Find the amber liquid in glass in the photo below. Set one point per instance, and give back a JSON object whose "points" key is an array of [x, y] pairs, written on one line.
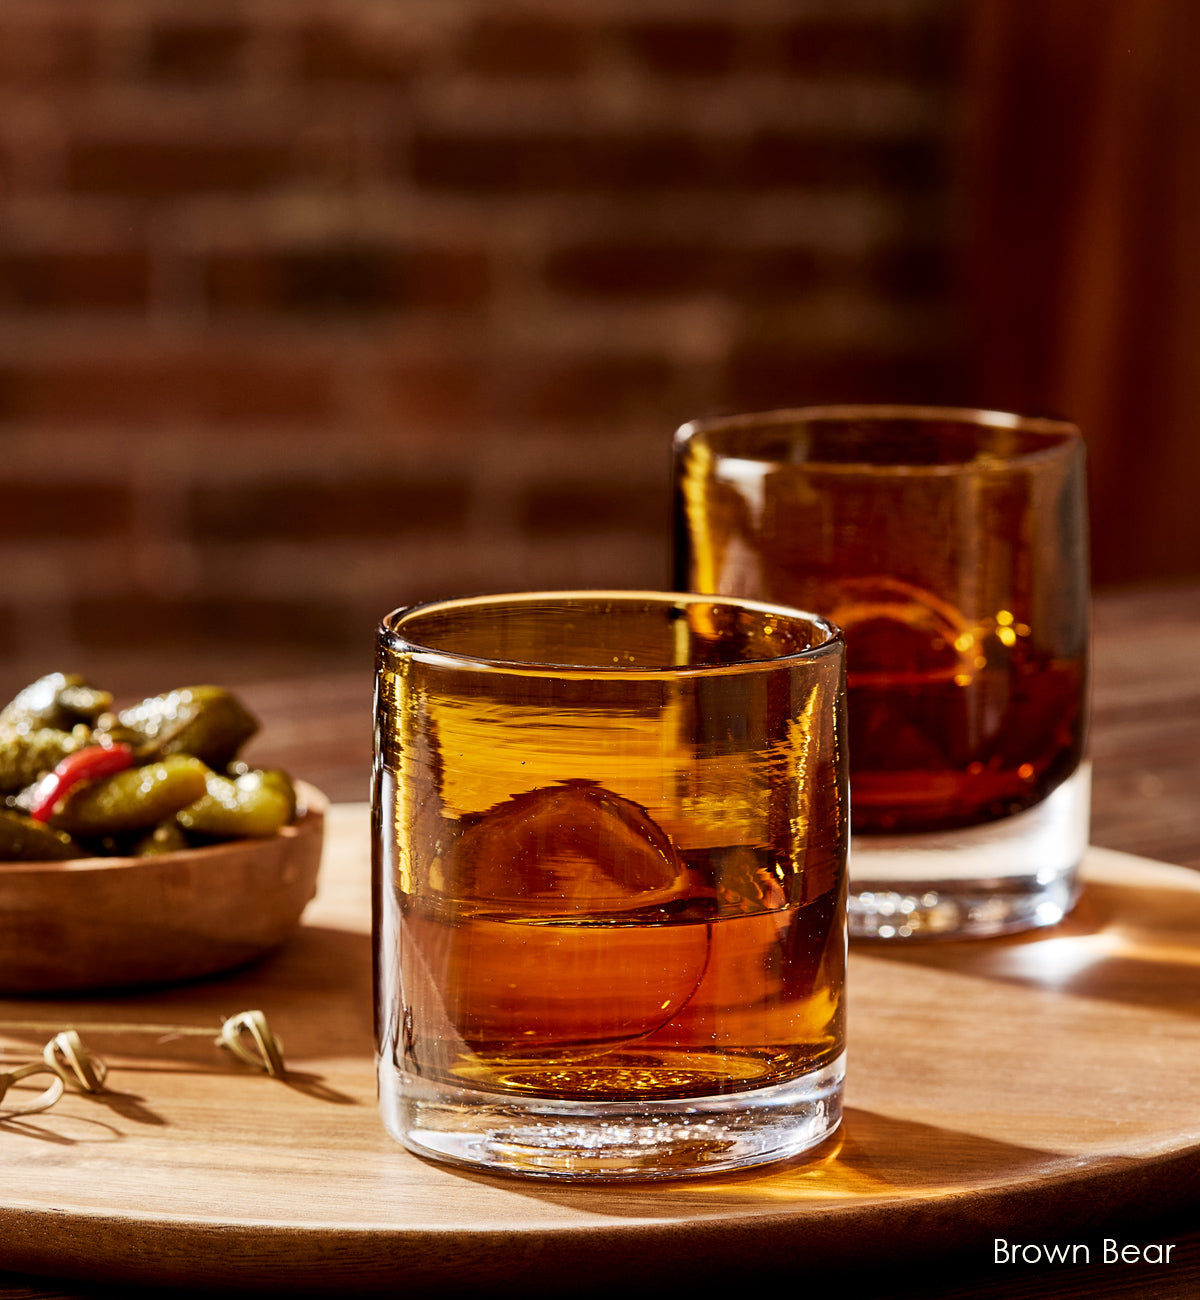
{"points": [[954, 739], [961, 598], [657, 911], [710, 990]]}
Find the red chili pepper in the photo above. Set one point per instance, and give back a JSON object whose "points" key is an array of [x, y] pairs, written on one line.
{"points": [[83, 765]]}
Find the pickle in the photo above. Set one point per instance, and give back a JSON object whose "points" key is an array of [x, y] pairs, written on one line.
{"points": [[134, 799], [182, 745], [166, 837], [206, 721], [110, 728], [24, 840], [252, 805], [26, 753], [59, 700], [277, 780]]}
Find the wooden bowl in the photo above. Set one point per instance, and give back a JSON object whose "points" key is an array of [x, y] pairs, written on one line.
{"points": [[108, 923]]}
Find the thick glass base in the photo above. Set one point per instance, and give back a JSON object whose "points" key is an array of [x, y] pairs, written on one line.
{"points": [[999, 878], [582, 1140]]}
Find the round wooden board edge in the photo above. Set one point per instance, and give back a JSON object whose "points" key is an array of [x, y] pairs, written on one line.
{"points": [[806, 1240]]}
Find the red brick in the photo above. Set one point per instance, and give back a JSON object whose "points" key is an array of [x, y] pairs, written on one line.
{"points": [[193, 51], [668, 269], [120, 619], [52, 53], [636, 270], [74, 280], [595, 389], [565, 161], [908, 271], [684, 49], [43, 509], [348, 278], [304, 510], [124, 389], [443, 394], [761, 377], [573, 508], [274, 388], [339, 51], [915, 50], [573, 161], [773, 274], [785, 159], [524, 47], [490, 162], [146, 168], [653, 161]]}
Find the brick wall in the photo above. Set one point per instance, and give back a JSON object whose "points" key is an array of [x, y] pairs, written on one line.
{"points": [[310, 308]]}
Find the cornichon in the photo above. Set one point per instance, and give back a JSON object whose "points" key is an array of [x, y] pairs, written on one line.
{"points": [[59, 700], [131, 800], [206, 721], [166, 837], [24, 840], [251, 805], [61, 797], [26, 753]]}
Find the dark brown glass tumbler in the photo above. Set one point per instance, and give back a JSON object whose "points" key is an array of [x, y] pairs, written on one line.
{"points": [[951, 547]]}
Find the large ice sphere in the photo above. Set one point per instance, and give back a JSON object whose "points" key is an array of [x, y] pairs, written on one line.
{"points": [[561, 924], [574, 849], [899, 634]]}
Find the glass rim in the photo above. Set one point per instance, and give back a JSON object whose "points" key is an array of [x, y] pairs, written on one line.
{"points": [[1062, 436], [831, 644]]}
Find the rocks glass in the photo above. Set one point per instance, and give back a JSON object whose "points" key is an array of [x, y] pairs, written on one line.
{"points": [[951, 547], [610, 835]]}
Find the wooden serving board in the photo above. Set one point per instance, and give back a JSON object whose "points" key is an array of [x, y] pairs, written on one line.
{"points": [[1029, 1088]]}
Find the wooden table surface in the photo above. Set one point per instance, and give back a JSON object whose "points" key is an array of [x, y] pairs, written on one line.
{"points": [[1146, 753]]}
